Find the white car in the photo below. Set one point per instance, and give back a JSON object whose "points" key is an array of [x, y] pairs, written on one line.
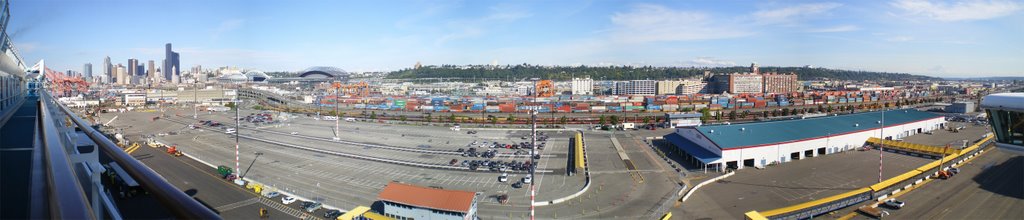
{"points": [[288, 200], [896, 204], [503, 177], [272, 194], [527, 179], [294, 133]]}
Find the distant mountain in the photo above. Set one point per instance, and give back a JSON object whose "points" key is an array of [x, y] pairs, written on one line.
{"points": [[993, 78], [527, 71]]}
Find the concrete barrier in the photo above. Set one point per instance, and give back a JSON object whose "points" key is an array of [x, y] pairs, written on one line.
{"points": [[586, 184], [695, 187]]}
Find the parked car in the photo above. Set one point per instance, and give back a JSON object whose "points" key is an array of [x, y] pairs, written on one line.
{"points": [[332, 214], [288, 200], [895, 204], [503, 177], [453, 162], [272, 194], [517, 185], [311, 206], [527, 179]]}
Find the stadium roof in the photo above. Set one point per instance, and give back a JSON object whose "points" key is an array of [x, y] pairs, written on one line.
{"points": [[777, 132], [439, 199]]}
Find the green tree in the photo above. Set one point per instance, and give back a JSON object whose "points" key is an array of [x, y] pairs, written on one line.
{"points": [[615, 120], [705, 114], [785, 111], [563, 120], [451, 118], [402, 118], [744, 114], [230, 105], [428, 117], [373, 115], [602, 120], [732, 115], [830, 109], [511, 119], [647, 119], [494, 120]]}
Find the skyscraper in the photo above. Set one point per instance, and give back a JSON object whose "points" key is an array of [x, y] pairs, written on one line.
{"points": [[151, 72], [87, 71], [133, 67], [171, 63], [107, 70]]}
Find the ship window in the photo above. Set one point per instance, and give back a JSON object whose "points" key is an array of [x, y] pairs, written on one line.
{"points": [[1008, 126]]}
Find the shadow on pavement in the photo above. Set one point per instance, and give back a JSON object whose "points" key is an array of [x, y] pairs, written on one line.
{"points": [[1003, 179]]}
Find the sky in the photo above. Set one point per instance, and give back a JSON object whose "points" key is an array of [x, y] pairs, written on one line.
{"points": [[929, 37]]}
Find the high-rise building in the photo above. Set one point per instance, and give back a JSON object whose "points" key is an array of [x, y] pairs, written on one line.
{"points": [[133, 67], [689, 87], [746, 83], [171, 63], [108, 70], [151, 72], [582, 86], [780, 83], [122, 75], [754, 68], [668, 87], [636, 87], [87, 71]]}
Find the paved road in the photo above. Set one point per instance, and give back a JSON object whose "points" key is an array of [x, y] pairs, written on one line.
{"points": [[989, 187], [201, 182]]}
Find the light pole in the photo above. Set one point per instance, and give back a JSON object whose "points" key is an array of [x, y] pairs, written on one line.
{"points": [[250, 164], [881, 150], [195, 99], [237, 130]]}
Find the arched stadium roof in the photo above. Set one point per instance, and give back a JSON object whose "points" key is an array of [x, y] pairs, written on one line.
{"points": [[323, 72]]}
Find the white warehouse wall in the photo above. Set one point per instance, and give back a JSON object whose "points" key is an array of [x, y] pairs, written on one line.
{"points": [[766, 154]]}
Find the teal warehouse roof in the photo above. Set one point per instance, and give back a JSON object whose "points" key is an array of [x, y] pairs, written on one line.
{"points": [[777, 132]]}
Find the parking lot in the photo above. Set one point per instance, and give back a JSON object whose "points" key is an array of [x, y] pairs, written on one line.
{"points": [[346, 182]]}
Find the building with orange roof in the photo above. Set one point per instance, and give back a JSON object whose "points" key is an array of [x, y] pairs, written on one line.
{"points": [[406, 201]]}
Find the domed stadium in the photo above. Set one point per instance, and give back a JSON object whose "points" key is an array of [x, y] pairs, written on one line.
{"points": [[323, 72], [249, 76], [256, 76]]}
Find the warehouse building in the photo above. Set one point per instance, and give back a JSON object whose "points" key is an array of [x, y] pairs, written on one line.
{"points": [[404, 201], [718, 147]]}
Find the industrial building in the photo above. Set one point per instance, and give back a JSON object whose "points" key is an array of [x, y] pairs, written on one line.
{"points": [[960, 107], [405, 201], [717, 147]]}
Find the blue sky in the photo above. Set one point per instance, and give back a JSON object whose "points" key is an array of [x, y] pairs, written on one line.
{"points": [[930, 37]]}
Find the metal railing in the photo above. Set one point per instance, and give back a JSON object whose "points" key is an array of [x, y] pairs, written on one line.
{"points": [[67, 199], [71, 199]]}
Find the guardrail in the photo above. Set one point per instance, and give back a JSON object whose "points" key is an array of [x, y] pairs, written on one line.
{"points": [[173, 199], [695, 187], [67, 198], [877, 191]]}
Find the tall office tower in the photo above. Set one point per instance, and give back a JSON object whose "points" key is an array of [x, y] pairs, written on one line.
{"points": [[151, 71], [171, 63], [107, 70], [122, 75], [133, 67], [754, 68], [582, 86], [780, 83], [87, 71]]}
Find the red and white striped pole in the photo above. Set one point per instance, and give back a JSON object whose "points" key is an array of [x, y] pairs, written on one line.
{"points": [[881, 147]]}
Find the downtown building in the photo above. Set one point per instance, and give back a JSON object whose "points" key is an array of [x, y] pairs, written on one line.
{"points": [[582, 86], [636, 87], [780, 83]]}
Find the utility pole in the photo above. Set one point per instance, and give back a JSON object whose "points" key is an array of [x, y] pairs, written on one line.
{"points": [[337, 115], [195, 98], [237, 127], [533, 163], [881, 147]]}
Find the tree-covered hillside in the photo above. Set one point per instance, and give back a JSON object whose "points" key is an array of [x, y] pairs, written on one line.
{"points": [[518, 72]]}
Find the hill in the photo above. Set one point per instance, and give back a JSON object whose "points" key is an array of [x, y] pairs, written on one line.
{"points": [[526, 71]]}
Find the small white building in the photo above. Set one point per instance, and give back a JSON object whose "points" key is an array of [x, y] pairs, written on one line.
{"points": [[736, 146]]}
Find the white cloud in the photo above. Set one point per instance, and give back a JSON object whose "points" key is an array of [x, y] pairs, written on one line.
{"points": [[790, 14], [711, 61], [651, 23], [899, 39], [470, 28], [959, 11], [841, 28], [227, 26]]}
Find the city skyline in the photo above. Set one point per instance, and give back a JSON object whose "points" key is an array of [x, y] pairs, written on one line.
{"points": [[910, 36]]}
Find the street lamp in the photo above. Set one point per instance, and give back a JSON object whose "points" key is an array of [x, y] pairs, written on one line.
{"points": [[250, 164]]}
